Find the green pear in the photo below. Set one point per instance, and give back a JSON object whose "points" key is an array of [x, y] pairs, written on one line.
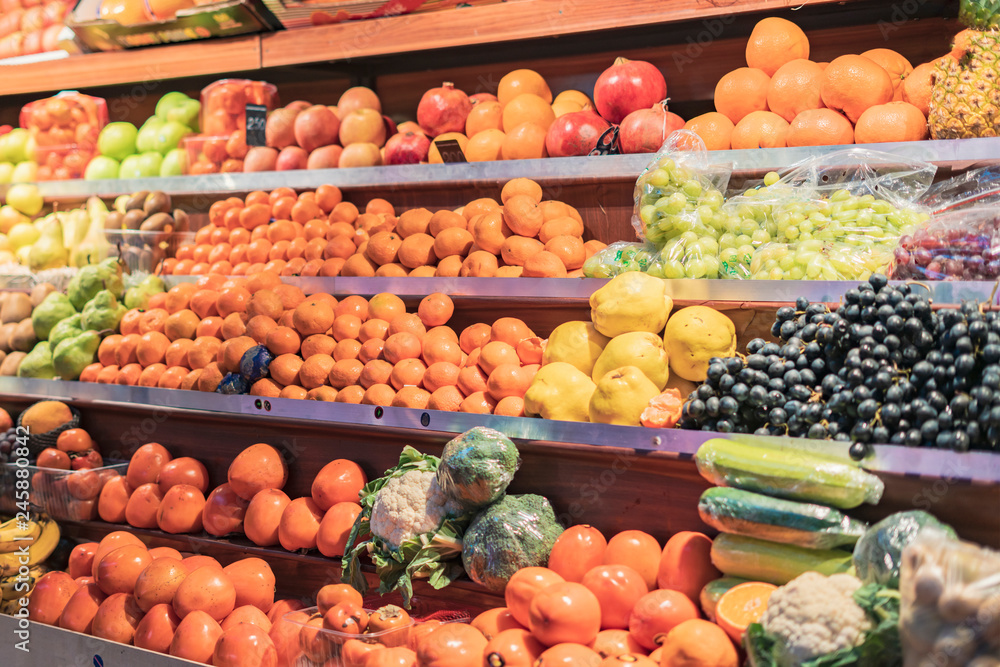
{"points": [[37, 363], [102, 312], [111, 273], [72, 355], [48, 252], [138, 296], [66, 328], [560, 391], [52, 310], [641, 349], [621, 396]]}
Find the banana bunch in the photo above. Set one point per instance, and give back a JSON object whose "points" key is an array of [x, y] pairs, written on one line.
{"points": [[11, 591], [38, 538]]}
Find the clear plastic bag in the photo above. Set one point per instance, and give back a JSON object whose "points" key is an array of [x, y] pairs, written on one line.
{"points": [[950, 603], [959, 245], [477, 466], [680, 191], [690, 255], [811, 260], [618, 258], [973, 188]]}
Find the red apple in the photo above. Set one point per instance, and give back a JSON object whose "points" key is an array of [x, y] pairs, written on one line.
{"points": [[280, 128], [290, 158], [575, 133], [645, 130], [407, 148], [316, 126], [364, 126], [260, 158], [325, 157], [627, 86], [443, 110]]}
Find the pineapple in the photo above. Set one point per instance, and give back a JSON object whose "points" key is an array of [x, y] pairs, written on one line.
{"points": [[965, 99]]}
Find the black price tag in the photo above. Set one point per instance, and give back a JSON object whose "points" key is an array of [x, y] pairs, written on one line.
{"points": [[256, 117], [450, 151]]}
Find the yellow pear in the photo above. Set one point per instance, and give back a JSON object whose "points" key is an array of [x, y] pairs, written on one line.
{"points": [[693, 336], [559, 391], [641, 349], [577, 343], [621, 396], [631, 301]]}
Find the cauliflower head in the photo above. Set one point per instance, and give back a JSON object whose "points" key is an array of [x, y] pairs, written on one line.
{"points": [[409, 505], [815, 615]]}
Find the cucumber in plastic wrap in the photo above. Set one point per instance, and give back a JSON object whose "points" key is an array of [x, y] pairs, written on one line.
{"points": [[787, 473], [773, 562], [754, 515]]}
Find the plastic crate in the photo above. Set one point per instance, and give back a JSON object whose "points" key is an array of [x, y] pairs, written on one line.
{"points": [[62, 494], [223, 104], [64, 129]]}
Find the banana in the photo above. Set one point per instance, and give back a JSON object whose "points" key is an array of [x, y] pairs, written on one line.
{"points": [[14, 536], [11, 607], [40, 549], [9, 585]]}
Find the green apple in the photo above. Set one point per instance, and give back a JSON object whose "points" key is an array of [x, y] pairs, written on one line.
{"points": [[174, 163], [117, 140], [15, 143], [186, 113], [6, 172], [149, 164], [23, 235], [26, 198], [25, 172], [130, 168], [9, 217], [146, 138], [168, 102], [169, 136], [102, 167]]}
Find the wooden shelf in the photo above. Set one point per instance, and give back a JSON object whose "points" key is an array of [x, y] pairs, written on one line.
{"points": [[146, 66], [492, 24]]}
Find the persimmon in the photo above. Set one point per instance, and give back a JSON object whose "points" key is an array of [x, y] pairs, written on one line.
{"points": [[78, 613], [113, 500], [618, 588], [494, 621], [198, 561], [247, 614], [180, 510], [695, 641], [522, 588], [299, 525], [638, 550], [207, 589], [613, 643], [260, 524], [451, 644], [568, 655], [195, 637], [346, 617], [516, 646], [256, 468], [224, 511], [576, 551], [656, 613], [254, 582], [564, 612], [338, 481], [244, 645], [158, 582], [686, 564], [143, 506], [116, 619]]}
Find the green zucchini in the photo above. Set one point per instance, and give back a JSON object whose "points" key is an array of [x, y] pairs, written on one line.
{"points": [[787, 473], [773, 562], [803, 524], [714, 590]]}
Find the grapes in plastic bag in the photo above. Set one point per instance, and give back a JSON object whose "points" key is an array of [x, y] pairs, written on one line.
{"points": [[618, 258], [813, 260], [959, 245], [687, 256]]}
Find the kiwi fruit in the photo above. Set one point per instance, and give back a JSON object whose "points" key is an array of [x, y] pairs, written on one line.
{"points": [[16, 307], [181, 221], [23, 337], [11, 363], [134, 218], [156, 202], [39, 292], [157, 222], [114, 221], [136, 201]]}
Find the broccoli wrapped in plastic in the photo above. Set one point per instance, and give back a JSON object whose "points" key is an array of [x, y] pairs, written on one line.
{"points": [[477, 466], [512, 533]]}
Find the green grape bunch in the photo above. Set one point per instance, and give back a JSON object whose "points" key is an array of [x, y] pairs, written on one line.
{"points": [[674, 199]]}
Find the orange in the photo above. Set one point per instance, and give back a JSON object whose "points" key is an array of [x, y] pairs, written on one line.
{"points": [[474, 336], [577, 655], [795, 87], [544, 264], [820, 127], [411, 397], [352, 394], [525, 141], [895, 121], [510, 406], [478, 403], [521, 81], [742, 605], [282, 340], [577, 550], [447, 398], [697, 642], [435, 309], [774, 42], [385, 306], [898, 67], [638, 550], [345, 327], [484, 116], [315, 370], [441, 349], [564, 613], [714, 128], [479, 264], [485, 146], [686, 564], [408, 322], [378, 394], [521, 186], [759, 129], [742, 91], [403, 345], [917, 87], [853, 83], [407, 372], [527, 108]]}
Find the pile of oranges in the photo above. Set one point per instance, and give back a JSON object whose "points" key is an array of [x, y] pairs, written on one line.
{"points": [[319, 234], [781, 98], [352, 350]]}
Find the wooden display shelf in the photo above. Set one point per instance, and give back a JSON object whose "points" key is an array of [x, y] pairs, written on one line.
{"points": [[141, 66], [492, 24]]}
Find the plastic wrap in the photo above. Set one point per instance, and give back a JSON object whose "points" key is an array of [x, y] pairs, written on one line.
{"points": [[807, 260], [878, 553], [973, 188], [65, 128], [618, 258], [680, 191], [959, 245], [512, 533], [689, 255], [477, 466], [950, 612]]}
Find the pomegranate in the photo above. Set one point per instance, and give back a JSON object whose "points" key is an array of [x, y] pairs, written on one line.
{"points": [[390, 126], [575, 133], [407, 148], [627, 86], [443, 110], [645, 130]]}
